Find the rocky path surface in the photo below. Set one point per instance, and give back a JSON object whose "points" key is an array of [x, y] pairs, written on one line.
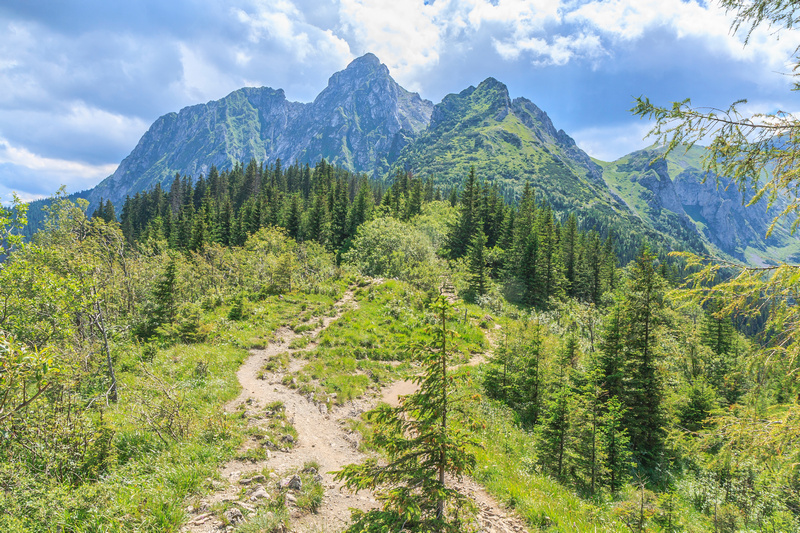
{"points": [[323, 437]]}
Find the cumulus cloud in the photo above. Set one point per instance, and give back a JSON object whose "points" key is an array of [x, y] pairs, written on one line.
{"points": [[282, 24], [557, 51], [80, 82], [404, 35], [629, 20], [34, 176]]}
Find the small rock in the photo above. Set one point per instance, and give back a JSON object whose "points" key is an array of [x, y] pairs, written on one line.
{"points": [[310, 470], [255, 479], [292, 483], [287, 438], [234, 516], [202, 519], [259, 494], [290, 499], [246, 506], [323, 409]]}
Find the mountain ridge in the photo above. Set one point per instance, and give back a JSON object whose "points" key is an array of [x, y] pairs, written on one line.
{"points": [[366, 122]]}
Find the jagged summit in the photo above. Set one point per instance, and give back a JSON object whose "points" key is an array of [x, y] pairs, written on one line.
{"points": [[366, 122], [361, 121], [361, 69]]}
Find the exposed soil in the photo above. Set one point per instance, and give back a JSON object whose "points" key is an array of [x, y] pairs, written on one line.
{"points": [[323, 436]]}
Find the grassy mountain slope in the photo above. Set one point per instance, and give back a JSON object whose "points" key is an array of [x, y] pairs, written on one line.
{"points": [[511, 142]]}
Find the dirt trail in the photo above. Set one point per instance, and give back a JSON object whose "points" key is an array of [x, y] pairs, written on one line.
{"points": [[323, 437]]}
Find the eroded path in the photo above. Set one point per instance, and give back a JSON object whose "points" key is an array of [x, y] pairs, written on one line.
{"points": [[323, 437]]}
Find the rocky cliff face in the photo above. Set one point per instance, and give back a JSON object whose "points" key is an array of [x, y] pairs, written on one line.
{"points": [[677, 189], [360, 121], [719, 212], [361, 117]]}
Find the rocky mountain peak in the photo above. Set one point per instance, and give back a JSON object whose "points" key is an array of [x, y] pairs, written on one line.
{"points": [[361, 69]]}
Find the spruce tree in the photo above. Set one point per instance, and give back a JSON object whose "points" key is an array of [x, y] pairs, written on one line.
{"points": [[585, 426], [614, 446], [551, 438], [477, 265], [611, 359], [468, 217], [644, 417], [293, 219], [569, 241], [422, 446]]}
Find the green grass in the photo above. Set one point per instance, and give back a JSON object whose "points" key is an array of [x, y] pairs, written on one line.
{"points": [[265, 316], [170, 434], [266, 520], [362, 349]]}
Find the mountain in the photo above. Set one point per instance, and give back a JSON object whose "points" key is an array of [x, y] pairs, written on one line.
{"points": [[508, 142], [366, 122], [511, 142], [674, 195], [361, 118]]}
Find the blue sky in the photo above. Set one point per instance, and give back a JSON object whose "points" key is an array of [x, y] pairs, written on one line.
{"points": [[81, 81]]}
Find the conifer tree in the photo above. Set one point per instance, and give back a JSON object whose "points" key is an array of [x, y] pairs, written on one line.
{"points": [[548, 280], [553, 431], [585, 426], [717, 332], [523, 233], [422, 446], [361, 208], [611, 358], [319, 221], [293, 219], [643, 398], [185, 223], [414, 204], [200, 230], [530, 385], [569, 240], [614, 446], [468, 217], [164, 307], [477, 264], [339, 226]]}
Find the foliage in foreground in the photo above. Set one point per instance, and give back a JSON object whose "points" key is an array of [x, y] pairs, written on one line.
{"points": [[422, 446]]}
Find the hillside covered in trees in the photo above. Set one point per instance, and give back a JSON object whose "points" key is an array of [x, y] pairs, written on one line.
{"points": [[595, 389]]}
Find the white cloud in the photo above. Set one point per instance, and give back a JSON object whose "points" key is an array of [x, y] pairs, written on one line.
{"points": [[411, 36], [71, 131], [524, 16], [202, 80], [407, 36], [281, 23], [558, 51], [18, 165], [629, 20], [73, 169]]}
